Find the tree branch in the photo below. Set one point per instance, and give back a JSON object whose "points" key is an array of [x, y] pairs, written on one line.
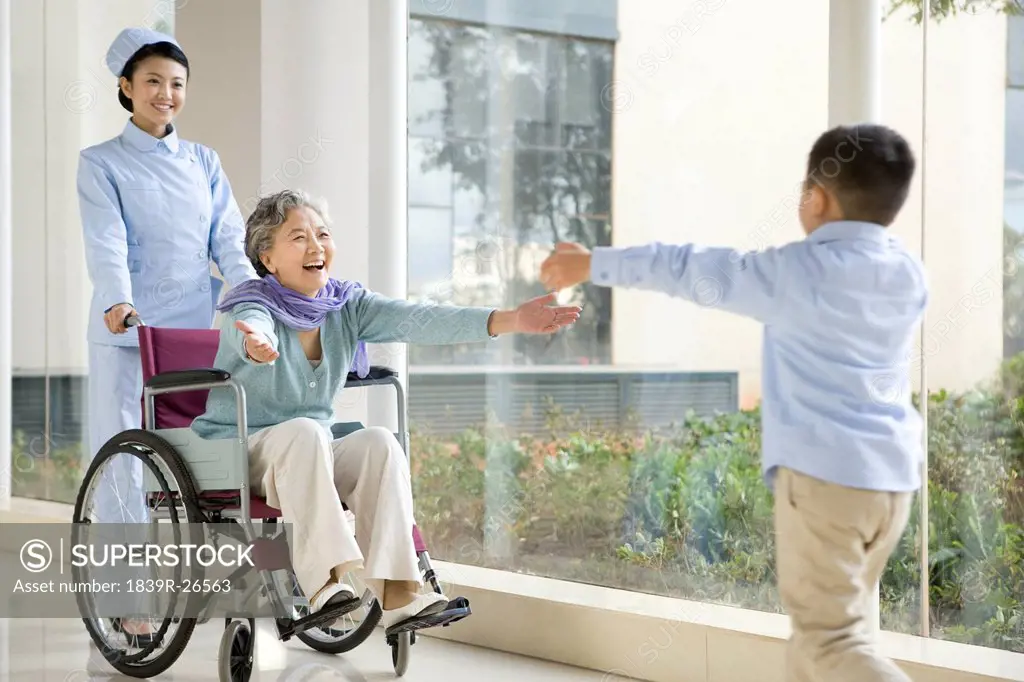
{"points": [[944, 9]]}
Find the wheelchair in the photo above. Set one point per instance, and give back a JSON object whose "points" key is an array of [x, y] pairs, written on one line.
{"points": [[194, 483]]}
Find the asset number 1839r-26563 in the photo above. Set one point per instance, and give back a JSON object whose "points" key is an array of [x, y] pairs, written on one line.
{"points": [[146, 586]]}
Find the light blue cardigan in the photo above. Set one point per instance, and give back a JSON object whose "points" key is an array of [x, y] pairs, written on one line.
{"points": [[291, 387]]}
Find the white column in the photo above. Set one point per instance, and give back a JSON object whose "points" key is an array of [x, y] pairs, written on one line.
{"points": [[224, 74], [924, 593], [6, 248], [321, 127], [854, 90], [388, 176], [854, 61], [314, 88]]}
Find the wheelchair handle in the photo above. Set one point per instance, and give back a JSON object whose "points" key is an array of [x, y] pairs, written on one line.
{"points": [[133, 320]]}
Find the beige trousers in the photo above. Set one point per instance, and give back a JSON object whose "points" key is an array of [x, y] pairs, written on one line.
{"points": [[832, 546], [306, 475]]}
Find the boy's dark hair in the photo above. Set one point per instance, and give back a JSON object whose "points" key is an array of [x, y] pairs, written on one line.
{"points": [[867, 167], [162, 49]]}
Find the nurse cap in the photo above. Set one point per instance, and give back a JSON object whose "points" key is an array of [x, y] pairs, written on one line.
{"points": [[128, 42]]}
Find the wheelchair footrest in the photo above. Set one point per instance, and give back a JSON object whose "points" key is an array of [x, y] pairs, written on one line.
{"points": [[287, 628], [458, 609]]}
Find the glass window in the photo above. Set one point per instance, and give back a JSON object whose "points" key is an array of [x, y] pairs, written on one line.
{"points": [[429, 52], [430, 176], [430, 238], [471, 160], [971, 350], [537, 83], [1013, 198], [506, 167], [471, 74], [50, 388], [1015, 53], [626, 451], [1015, 160], [644, 471], [587, 71]]}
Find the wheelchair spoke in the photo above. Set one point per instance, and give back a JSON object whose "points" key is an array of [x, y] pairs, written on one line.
{"points": [[141, 638]]}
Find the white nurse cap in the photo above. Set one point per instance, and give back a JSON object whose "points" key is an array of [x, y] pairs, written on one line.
{"points": [[130, 41]]}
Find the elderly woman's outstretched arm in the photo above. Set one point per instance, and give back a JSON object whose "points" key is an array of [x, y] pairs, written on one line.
{"points": [[260, 325], [380, 319]]}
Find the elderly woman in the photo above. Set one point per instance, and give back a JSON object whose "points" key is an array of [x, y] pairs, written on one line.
{"points": [[291, 338]]}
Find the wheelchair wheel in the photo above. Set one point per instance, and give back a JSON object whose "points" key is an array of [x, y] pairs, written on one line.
{"points": [[147, 655], [400, 650], [235, 660], [347, 634]]}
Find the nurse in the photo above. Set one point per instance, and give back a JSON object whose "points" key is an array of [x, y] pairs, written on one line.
{"points": [[156, 209]]}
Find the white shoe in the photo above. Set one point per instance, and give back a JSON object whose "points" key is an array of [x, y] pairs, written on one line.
{"points": [[423, 605], [332, 595]]}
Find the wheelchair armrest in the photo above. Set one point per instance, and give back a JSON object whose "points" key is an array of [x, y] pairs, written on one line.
{"points": [[377, 374], [187, 377]]}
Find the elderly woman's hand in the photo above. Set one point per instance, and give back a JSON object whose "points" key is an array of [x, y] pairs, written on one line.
{"points": [[257, 347], [535, 316]]}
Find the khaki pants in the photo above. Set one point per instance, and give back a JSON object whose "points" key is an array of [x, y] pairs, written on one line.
{"points": [[832, 545], [306, 476]]}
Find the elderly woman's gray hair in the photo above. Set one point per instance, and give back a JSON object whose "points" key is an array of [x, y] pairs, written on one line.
{"points": [[269, 215]]}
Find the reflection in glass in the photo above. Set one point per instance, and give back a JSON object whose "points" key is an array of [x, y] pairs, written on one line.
{"points": [[49, 125], [647, 480], [497, 148], [1015, 51], [975, 434], [430, 183], [651, 481], [431, 242]]}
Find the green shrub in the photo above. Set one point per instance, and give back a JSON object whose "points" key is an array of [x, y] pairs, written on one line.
{"points": [[685, 512], [54, 475]]}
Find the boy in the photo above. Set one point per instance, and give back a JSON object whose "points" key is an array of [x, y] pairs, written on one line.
{"points": [[841, 438]]}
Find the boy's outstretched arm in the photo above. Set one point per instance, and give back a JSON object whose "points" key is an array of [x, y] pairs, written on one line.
{"points": [[751, 284]]}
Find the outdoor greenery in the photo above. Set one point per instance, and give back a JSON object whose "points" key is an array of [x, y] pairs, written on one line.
{"points": [[685, 513], [38, 474], [531, 105], [944, 9]]}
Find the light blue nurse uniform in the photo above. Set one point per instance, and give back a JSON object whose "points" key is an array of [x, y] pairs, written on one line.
{"points": [[155, 212]]}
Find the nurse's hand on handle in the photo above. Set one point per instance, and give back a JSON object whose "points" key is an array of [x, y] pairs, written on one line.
{"points": [[256, 344], [115, 317]]}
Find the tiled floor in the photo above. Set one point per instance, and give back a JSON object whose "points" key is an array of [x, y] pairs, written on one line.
{"points": [[60, 651]]}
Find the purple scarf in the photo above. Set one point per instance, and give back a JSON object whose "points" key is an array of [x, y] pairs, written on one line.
{"points": [[296, 310]]}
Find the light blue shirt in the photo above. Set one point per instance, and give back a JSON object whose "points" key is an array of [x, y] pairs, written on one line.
{"points": [[840, 310], [155, 212], [292, 386]]}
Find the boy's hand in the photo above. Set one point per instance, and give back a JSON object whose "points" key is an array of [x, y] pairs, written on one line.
{"points": [[568, 266]]}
